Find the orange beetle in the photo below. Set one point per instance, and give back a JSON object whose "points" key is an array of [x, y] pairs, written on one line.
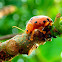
{"points": [[38, 22]]}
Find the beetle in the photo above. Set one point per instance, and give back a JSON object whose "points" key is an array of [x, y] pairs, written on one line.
{"points": [[38, 22]]}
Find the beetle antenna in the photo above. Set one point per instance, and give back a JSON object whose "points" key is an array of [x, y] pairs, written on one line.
{"points": [[17, 28]]}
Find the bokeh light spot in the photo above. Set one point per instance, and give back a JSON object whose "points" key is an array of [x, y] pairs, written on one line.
{"points": [[24, 0], [1, 4], [35, 12], [15, 17], [57, 1], [20, 60], [14, 30], [61, 54]]}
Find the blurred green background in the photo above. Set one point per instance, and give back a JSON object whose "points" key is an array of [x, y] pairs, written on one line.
{"points": [[25, 9]]}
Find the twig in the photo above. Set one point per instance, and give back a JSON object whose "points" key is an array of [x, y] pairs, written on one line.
{"points": [[20, 44], [7, 36]]}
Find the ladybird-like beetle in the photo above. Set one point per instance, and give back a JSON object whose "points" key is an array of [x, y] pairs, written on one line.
{"points": [[38, 22]]}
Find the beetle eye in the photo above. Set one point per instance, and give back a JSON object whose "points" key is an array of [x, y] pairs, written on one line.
{"points": [[47, 19]]}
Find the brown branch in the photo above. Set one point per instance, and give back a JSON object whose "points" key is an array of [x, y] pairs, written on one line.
{"points": [[21, 44], [7, 36]]}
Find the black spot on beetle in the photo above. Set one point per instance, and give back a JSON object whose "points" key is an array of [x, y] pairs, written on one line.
{"points": [[35, 21], [44, 21], [27, 30], [47, 19]]}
